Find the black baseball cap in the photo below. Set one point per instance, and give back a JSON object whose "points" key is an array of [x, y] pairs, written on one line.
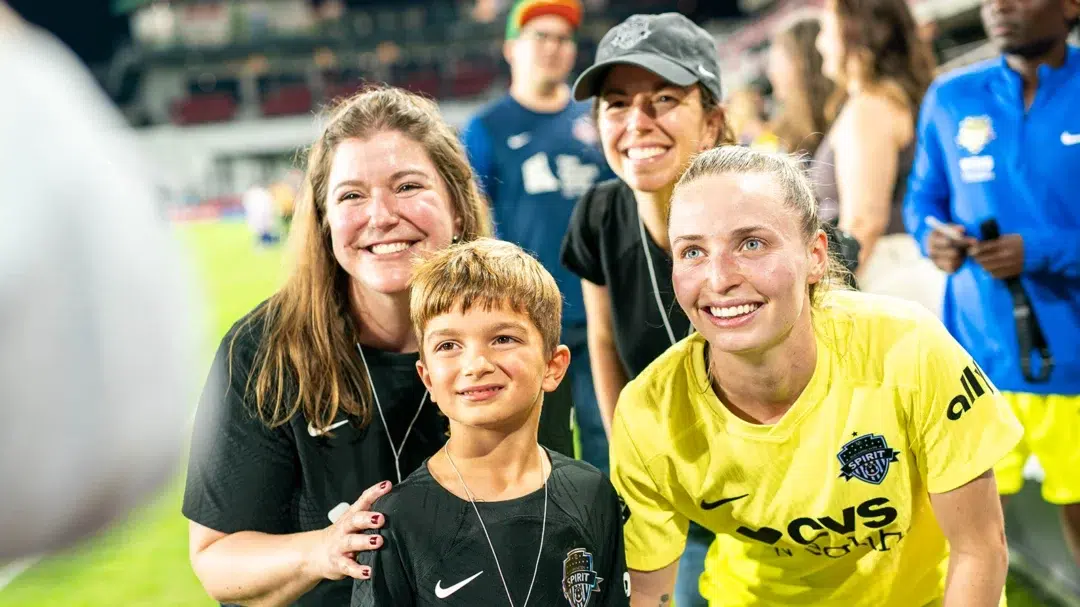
{"points": [[668, 45]]}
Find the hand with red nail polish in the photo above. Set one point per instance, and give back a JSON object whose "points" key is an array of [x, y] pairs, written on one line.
{"points": [[334, 556]]}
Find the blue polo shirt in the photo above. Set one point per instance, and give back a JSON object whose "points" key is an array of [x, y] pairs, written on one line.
{"points": [[534, 167]]}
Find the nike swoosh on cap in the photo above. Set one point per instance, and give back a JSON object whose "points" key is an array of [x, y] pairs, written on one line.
{"points": [[713, 505], [442, 593], [312, 430]]}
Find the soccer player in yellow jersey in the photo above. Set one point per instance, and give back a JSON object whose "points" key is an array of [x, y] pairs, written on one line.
{"points": [[840, 444]]}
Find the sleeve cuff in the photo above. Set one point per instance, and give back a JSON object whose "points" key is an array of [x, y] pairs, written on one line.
{"points": [[1038, 250], [654, 559], [960, 473]]}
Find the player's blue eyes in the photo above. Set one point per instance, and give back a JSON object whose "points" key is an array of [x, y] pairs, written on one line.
{"points": [[692, 253], [753, 244]]}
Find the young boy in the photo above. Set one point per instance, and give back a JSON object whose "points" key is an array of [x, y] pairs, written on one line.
{"points": [[493, 518]]}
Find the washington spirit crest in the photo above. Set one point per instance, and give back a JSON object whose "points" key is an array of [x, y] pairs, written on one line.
{"points": [[579, 577], [866, 458]]}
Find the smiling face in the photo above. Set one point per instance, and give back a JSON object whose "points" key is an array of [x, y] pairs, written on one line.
{"points": [[742, 262], [488, 368], [386, 204], [651, 128]]}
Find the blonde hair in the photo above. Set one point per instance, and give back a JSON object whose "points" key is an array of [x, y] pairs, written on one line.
{"points": [[795, 186], [307, 360], [488, 273]]}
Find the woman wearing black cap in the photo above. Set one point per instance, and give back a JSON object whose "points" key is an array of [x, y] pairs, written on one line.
{"points": [[656, 82]]}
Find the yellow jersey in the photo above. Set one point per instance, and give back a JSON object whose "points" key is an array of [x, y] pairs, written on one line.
{"points": [[830, 505]]}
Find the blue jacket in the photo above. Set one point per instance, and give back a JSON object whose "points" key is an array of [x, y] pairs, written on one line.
{"points": [[981, 155], [534, 167]]}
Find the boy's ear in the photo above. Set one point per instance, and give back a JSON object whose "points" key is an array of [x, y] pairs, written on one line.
{"points": [[425, 377], [556, 368]]}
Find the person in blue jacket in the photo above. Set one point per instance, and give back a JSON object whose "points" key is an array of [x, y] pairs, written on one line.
{"points": [[535, 152], [993, 200]]}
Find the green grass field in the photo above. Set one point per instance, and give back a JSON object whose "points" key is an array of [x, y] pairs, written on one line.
{"points": [[143, 561]]}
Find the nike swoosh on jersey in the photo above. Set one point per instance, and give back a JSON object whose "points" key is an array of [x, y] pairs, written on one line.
{"points": [[727, 500], [1068, 138], [312, 430], [442, 593]]}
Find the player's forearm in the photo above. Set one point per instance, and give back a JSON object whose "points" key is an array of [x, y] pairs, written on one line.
{"points": [[257, 569], [653, 588], [609, 378], [976, 580]]}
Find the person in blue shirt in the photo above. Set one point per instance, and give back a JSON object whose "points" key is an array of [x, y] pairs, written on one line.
{"points": [[993, 201], [535, 153]]}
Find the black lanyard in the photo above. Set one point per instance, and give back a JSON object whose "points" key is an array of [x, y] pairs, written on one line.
{"points": [[1028, 332]]}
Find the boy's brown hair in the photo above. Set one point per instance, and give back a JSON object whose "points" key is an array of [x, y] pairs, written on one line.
{"points": [[489, 273]]}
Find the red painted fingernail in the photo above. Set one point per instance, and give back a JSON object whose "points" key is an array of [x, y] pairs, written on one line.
{"points": [[375, 519], [384, 484], [367, 572], [373, 541]]}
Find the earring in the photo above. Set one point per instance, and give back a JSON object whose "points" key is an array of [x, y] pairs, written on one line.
{"points": [[455, 239]]}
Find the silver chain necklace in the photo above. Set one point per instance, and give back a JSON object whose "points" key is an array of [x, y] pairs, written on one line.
{"points": [[652, 276], [543, 527], [396, 449]]}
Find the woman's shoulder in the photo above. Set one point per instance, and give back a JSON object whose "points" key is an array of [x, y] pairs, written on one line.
{"points": [[246, 334], [664, 384], [878, 336], [883, 107], [604, 199]]}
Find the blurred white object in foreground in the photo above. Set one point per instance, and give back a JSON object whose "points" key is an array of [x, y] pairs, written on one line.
{"points": [[97, 329]]}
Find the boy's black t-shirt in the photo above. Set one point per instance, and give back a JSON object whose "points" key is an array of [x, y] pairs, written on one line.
{"points": [[244, 476], [603, 245], [436, 553]]}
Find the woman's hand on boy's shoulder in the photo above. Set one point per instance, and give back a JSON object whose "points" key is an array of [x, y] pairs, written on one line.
{"points": [[333, 556]]}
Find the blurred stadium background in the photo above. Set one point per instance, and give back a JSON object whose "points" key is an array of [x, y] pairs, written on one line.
{"points": [[222, 94]]}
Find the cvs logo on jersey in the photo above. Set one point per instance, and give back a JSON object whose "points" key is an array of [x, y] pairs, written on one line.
{"points": [[972, 387], [873, 514]]}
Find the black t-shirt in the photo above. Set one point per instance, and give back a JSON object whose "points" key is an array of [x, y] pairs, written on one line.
{"points": [[603, 245], [438, 556], [244, 476]]}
